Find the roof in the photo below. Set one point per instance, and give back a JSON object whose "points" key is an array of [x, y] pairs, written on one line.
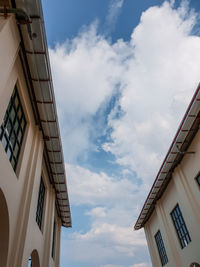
{"points": [[183, 138], [35, 61]]}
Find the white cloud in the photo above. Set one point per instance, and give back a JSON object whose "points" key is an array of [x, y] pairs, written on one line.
{"points": [[84, 82], [87, 187], [106, 243], [156, 74], [112, 207], [141, 265], [159, 82], [120, 236], [98, 212], [113, 13]]}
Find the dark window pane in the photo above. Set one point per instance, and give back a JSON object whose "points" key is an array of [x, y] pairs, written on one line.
{"points": [[16, 150], [180, 226], [16, 103], [19, 137], [19, 113], [53, 240], [13, 139], [12, 114], [16, 127]]}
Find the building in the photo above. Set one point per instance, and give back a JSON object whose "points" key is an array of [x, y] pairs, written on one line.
{"points": [[171, 213], [33, 193]]}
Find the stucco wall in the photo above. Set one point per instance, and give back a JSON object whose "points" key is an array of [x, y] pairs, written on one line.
{"points": [[184, 190], [20, 188]]}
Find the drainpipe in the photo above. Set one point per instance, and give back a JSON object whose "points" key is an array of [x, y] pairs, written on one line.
{"points": [[20, 16]]}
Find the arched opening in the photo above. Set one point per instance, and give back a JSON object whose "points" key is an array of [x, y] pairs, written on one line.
{"points": [[194, 264], [4, 230], [34, 259]]}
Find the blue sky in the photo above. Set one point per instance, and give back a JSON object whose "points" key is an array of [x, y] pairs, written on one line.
{"points": [[124, 72]]}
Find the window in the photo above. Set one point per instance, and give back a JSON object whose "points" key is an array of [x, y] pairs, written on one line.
{"points": [[40, 204], [180, 227], [161, 248], [30, 262], [13, 128], [53, 240]]}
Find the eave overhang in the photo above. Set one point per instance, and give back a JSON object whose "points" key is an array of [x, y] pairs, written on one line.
{"points": [[183, 138], [35, 59]]}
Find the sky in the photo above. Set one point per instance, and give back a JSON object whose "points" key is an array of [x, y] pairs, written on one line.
{"points": [[124, 72]]}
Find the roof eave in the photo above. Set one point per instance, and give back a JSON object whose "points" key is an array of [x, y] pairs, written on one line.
{"points": [[183, 138], [36, 54]]}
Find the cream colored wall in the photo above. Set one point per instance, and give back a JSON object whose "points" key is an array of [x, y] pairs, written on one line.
{"points": [[21, 188], [182, 189]]}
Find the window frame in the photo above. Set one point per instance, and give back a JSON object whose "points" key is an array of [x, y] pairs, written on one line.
{"points": [[180, 227], [12, 127], [41, 206], [161, 248]]}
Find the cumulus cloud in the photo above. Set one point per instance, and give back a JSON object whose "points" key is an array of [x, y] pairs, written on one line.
{"points": [[87, 187], [120, 236], [154, 75], [160, 80], [112, 207], [84, 82], [111, 242], [97, 212]]}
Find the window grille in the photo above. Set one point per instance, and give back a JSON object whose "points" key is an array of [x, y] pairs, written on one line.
{"points": [[180, 227], [40, 204], [13, 128], [161, 248]]}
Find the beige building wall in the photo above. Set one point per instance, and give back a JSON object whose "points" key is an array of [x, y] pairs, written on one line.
{"points": [[183, 190], [20, 233]]}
